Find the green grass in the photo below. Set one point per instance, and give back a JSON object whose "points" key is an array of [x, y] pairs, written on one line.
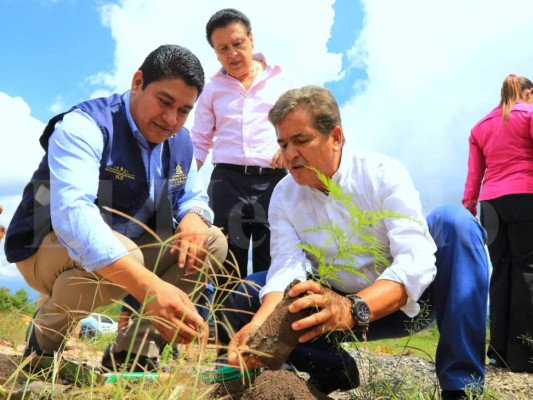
{"points": [[422, 344], [13, 326], [185, 380]]}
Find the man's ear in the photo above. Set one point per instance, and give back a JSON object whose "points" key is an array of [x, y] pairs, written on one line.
{"points": [[137, 81], [337, 138]]}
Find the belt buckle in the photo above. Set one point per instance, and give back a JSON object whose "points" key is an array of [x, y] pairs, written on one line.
{"points": [[253, 170]]}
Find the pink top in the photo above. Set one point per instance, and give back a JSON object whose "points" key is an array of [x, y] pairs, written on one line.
{"points": [[234, 121], [501, 156]]}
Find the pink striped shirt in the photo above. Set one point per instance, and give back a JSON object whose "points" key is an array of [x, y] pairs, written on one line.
{"points": [[234, 122], [500, 161]]}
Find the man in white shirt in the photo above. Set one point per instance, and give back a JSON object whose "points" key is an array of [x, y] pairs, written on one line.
{"points": [[440, 263]]}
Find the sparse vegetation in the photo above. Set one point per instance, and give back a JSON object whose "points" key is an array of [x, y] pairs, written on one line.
{"points": [[185, 378], [355, 241], [185, 381]]}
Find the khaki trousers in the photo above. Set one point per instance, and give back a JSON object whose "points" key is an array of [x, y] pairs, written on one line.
{"points": [[74, 292]]}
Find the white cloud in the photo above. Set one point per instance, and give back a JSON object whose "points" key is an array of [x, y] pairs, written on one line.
{"points": [[20, 150], [8, 271], [58, 106], [19, 154], [139, 26], [434, 69]]}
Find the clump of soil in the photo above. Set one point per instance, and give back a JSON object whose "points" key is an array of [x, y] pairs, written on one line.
{"points": [[281, 385], [275, 338], [272, 344]]}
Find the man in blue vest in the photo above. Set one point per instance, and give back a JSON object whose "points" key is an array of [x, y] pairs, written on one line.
{"points": [[118, 179]]}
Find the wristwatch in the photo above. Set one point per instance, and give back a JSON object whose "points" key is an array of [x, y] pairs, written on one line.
{"points": [[360, 312], [201, 213]]}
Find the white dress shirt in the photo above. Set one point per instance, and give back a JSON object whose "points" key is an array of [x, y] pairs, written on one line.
{"points": [[376, 182]]}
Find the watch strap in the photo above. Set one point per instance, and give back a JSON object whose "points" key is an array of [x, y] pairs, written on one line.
{"points": [[360, 324], [203, 214]]}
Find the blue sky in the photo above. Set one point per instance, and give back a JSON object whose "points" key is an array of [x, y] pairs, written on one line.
{"points": [[49, 49], [412, 76], [60, 44]]}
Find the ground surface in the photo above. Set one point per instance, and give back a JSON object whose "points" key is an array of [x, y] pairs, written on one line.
{"points": [[376, 370]]}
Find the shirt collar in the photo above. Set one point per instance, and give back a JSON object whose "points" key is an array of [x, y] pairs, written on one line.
{"points": [[136, 132], [255, 56], [344, 167]]}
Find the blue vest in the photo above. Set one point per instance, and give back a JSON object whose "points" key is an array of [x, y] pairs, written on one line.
{"points": [[122, 183]]}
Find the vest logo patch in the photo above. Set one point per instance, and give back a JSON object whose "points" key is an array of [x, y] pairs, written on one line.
{"points": [[178, 178], [120, 172]]}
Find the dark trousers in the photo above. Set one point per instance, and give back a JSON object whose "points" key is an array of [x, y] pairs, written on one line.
{"points": [[240, 203], [457, 299], [509, 224]]}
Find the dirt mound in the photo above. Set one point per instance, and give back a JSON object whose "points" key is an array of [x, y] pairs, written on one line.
{"points": [[279, 385]]}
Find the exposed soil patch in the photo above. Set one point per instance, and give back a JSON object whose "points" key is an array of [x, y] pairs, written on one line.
{"points": [[280, 384]]}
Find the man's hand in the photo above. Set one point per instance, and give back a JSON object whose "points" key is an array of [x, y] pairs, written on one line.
{"points": [[191, 241], [238, 355], [277, 160], [334, 310], [170, 310], [173, 314]]}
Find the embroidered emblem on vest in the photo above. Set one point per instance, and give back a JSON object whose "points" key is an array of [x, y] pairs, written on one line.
{"points": [[178, 178], [120, 172]]}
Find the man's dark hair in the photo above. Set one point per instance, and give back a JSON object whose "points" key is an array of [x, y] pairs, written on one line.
{"points": [[223, 18], [320, 103], [171, 61]]}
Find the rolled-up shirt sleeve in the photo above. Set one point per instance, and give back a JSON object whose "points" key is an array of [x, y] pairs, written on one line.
{"points": [[288, 259], [74, 153], [411, 245], [474, 177], [195, 195], [375, 183]]}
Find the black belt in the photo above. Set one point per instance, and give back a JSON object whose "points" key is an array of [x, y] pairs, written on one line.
{"points": [[253, 169]]}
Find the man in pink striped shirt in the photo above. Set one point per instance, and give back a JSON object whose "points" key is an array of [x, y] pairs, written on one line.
{"points": [[232, 119]]}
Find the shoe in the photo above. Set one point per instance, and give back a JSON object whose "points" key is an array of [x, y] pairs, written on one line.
{"points": [[453, 395], [32, 347], [497, 363], [115, 362], [37, 359], [348, 379]]}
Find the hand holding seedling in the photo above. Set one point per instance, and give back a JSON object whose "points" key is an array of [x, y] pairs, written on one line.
{"points": [[333, 310]]}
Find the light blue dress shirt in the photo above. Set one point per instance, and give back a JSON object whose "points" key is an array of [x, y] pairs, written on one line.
{"points": [[74, 153]]}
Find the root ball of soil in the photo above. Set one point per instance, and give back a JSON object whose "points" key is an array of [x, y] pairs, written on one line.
{"points": [[275, 337]]}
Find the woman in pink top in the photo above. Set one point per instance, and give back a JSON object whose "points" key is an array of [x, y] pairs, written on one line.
{"points": [[500, 175]]}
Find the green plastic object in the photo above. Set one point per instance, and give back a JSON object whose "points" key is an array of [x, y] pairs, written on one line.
{"points": [[112, 377], [227, 373]]}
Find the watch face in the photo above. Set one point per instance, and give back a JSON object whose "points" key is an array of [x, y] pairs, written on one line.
{"points": [[362, 311]]}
